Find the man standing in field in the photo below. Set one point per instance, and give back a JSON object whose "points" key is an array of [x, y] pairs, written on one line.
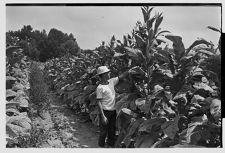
{"points": [[106, 96]]}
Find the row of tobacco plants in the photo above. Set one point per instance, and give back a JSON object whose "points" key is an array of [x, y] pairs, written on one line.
{"points": [[18, 122], [26, 99], [171, 97]]}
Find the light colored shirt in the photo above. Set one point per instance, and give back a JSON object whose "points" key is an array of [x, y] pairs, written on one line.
{"points": [[107, 95]]}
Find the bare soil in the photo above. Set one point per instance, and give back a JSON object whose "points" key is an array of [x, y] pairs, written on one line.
{"points": [[69, 130]]}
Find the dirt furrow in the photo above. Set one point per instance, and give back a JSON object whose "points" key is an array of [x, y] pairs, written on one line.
{"points": [[71, 128]]}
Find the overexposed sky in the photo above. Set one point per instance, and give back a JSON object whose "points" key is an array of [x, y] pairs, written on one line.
{"points": [[93, 24]]}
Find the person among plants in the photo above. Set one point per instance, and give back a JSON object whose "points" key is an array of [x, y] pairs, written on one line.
{"points": [[106, 96]]}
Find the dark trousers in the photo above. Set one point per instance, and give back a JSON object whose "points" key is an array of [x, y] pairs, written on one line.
{"points": [[108, 130]]}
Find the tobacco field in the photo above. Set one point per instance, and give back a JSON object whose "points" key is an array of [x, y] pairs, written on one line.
{"points": [[171, 98]]}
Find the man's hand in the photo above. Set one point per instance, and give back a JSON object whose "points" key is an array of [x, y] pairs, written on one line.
{"points": [[104, 120]]}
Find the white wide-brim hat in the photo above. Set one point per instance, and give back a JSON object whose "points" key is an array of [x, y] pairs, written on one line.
{"points": [[102, 69]]}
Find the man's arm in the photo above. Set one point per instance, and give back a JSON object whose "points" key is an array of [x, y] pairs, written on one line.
{"points": [[104, 119], [121, 77]]}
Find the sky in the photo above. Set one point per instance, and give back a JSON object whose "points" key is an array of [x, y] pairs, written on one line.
{"points": [[93, 24]]}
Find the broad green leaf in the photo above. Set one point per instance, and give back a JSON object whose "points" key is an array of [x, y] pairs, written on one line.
{"points": [[167, 109], [15, 130], [158, 21], [136, 70], [197, 99], [10, 93], [70, 87], [135, 53], [164, 143], [24, 102], [164, 31], [125, 40], [182, 92], [140, 102], [140, 42], [202, 85], [150, 10], [145, 14], [10, 131], [19, 120], [219, 44], [10, 78], [196, 43], [215, 109], [214, 29], [132, 129], [118, 54], [124, 86], [150, 36], [120, 105], [152, 125], [129, 37], [160, 57], [72, 94], [206, 52], [17, 86], [124, 101], [145, 141], [12, 104], [196, 132], [202, 118], [170, 128], [123, 119], [12, 112], [119, 42], [11, 49], [150, 22], [187, 146], [178, 46]]}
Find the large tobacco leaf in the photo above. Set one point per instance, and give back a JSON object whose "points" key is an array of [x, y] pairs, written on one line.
{"points": [[178, 46]]}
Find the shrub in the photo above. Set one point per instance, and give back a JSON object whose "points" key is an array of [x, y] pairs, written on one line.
{"points": [[38, 88]]}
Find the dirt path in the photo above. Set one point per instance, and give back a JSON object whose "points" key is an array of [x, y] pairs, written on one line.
{"points": [[74, 133]]}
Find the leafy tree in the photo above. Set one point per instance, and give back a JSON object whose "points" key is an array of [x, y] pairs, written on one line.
{"points": [[42, 46], [56, 35], [11, 39], [59, 43], [25, 32], [70, 46]]}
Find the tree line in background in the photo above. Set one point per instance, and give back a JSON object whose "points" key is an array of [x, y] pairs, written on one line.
{"points": [[40, 46]]}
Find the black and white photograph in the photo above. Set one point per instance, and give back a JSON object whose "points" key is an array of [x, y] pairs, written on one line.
{"points": [[112, 75]]}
